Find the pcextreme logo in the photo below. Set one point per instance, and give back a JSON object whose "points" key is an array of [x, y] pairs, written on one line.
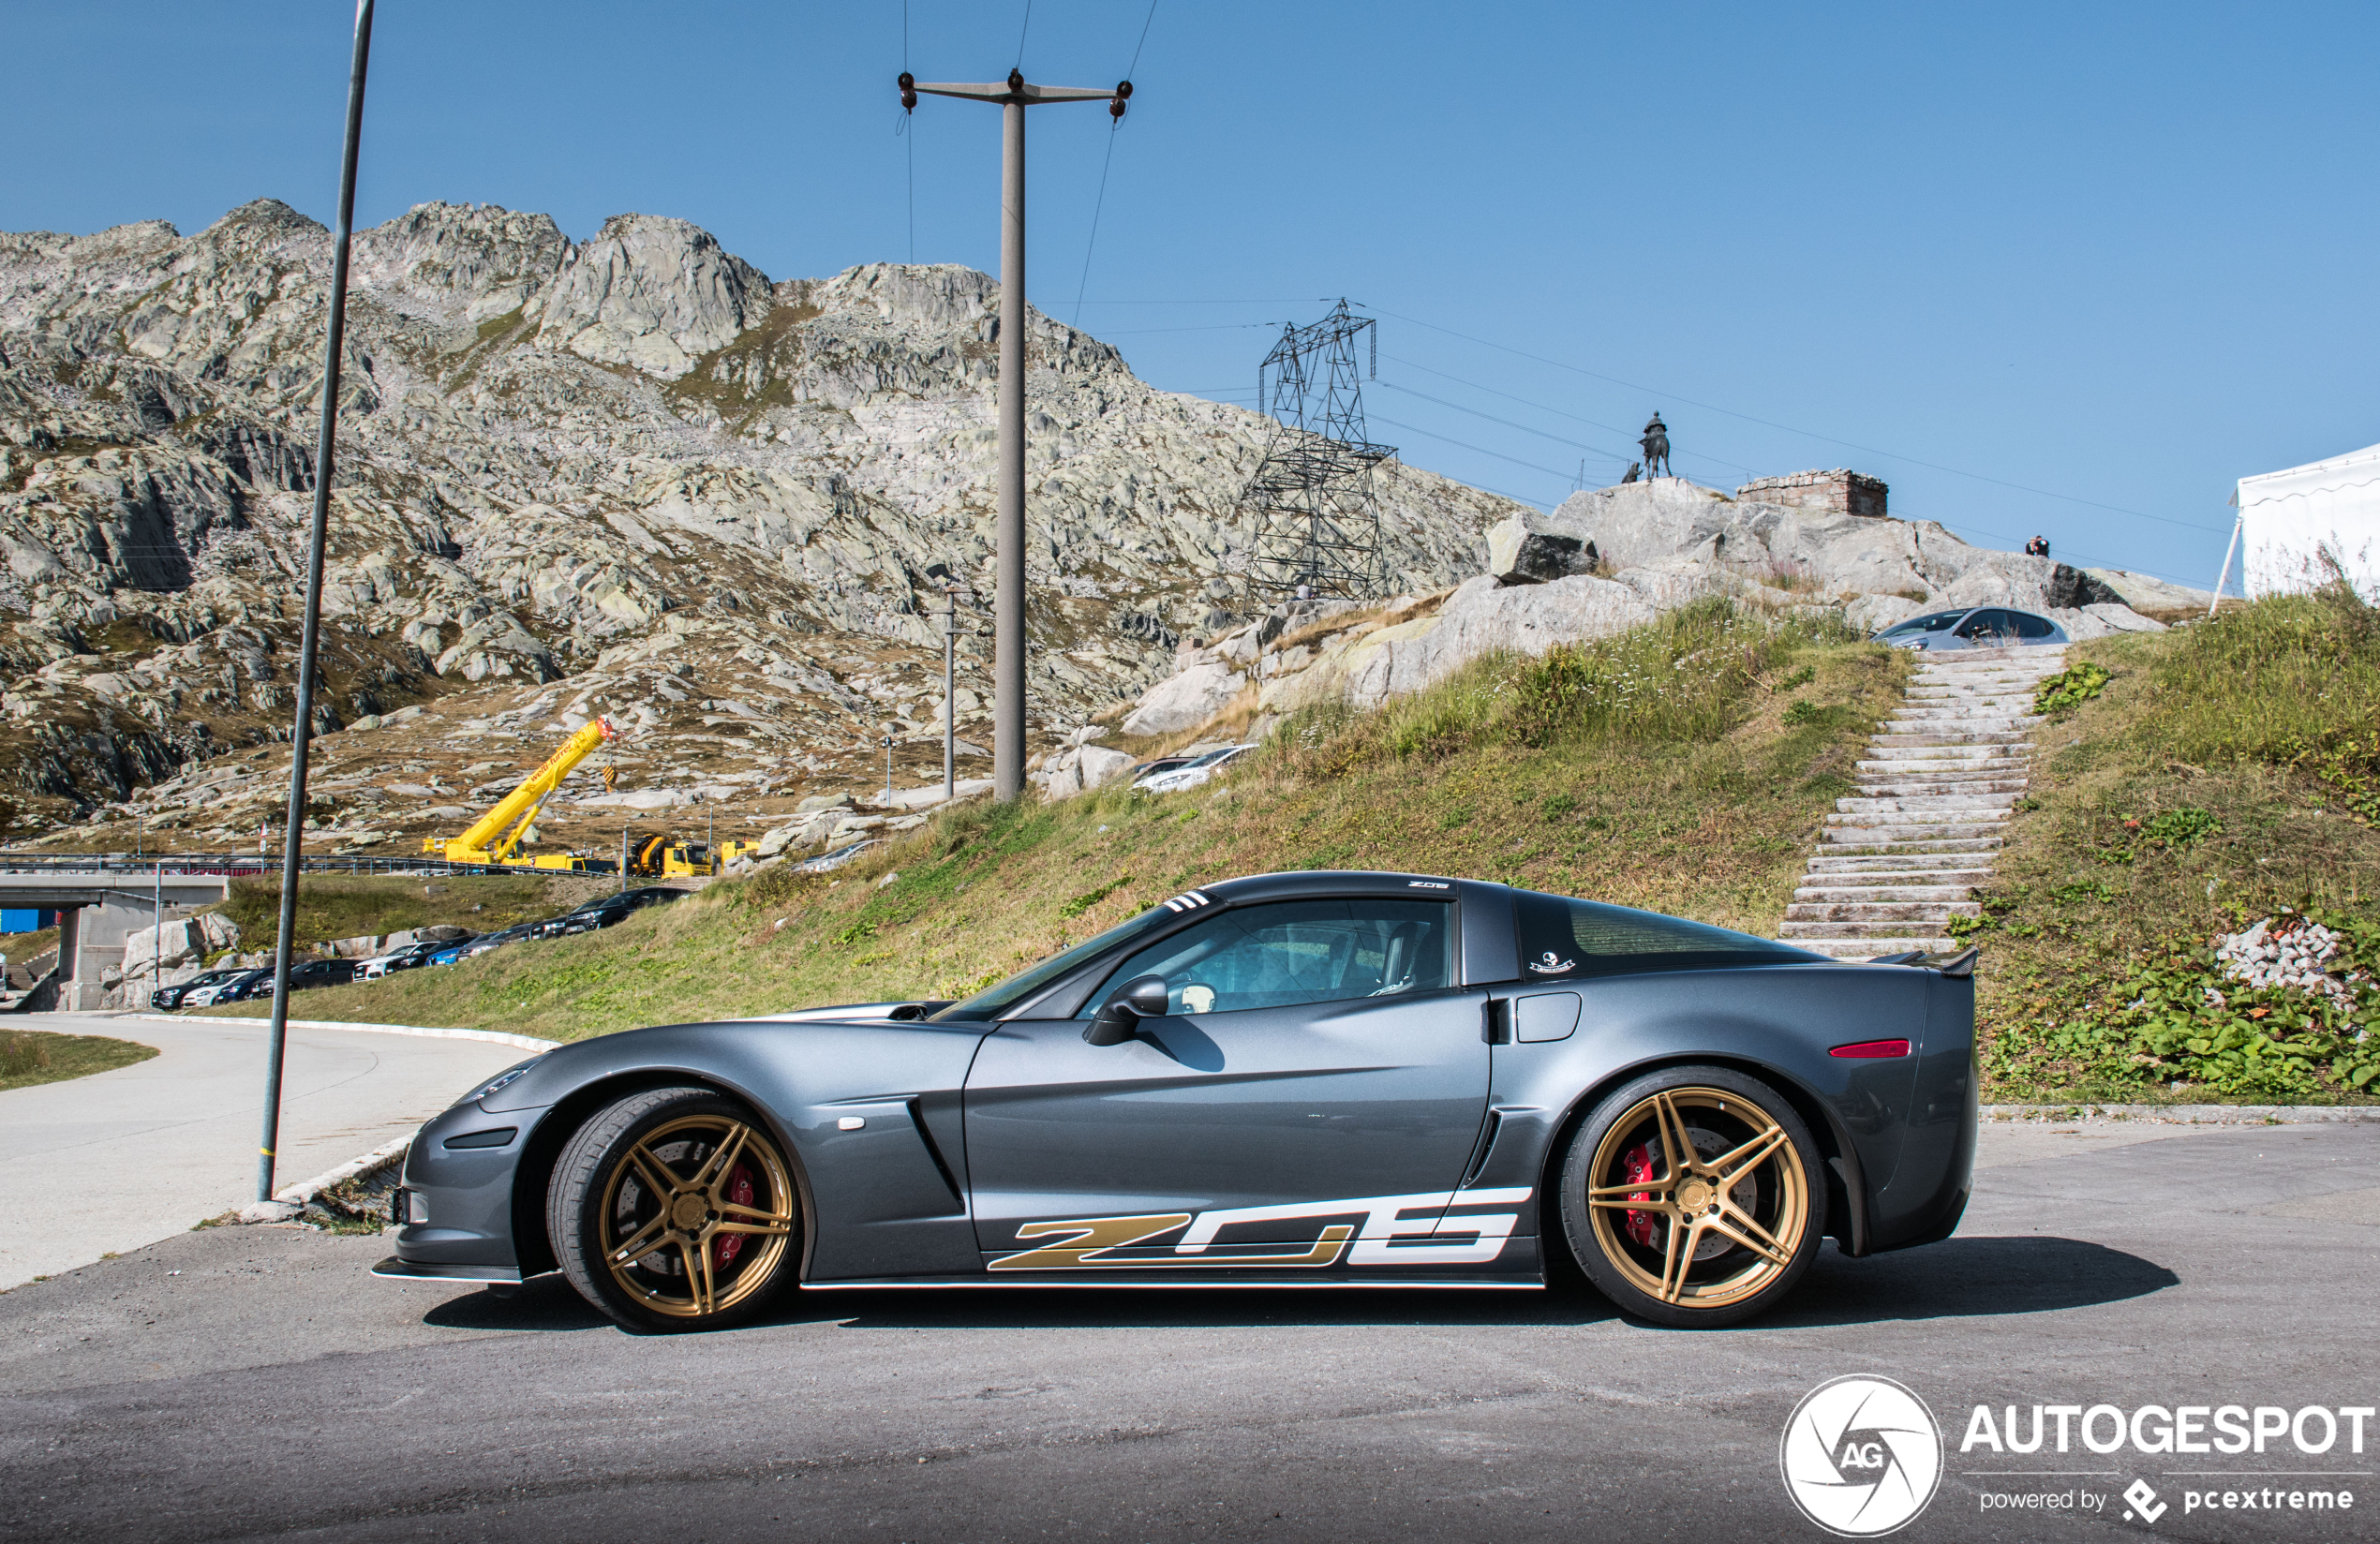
{"points": [[1861, 1456]]}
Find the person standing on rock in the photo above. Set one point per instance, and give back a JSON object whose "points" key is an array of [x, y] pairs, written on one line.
{"points": [[1656, 449]]}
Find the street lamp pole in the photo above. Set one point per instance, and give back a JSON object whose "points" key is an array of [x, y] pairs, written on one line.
{"points": [[302, 729], [1013, 95]]}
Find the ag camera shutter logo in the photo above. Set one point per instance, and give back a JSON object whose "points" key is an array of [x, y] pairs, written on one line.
{"points": [[1861, 1456]]}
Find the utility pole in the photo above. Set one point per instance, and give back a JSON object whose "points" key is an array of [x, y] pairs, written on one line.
{"points": [[1013, 95], [309, 642], [940, 574]]}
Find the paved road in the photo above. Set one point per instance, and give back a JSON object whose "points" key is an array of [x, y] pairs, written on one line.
{"points": [[121, 1159], [253, 1383]]}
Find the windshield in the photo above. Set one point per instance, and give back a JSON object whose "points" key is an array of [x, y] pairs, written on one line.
{"points": [[1931, 622], [998, 1000]]}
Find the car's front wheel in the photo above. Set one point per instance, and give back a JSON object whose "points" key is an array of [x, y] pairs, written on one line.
{"points": [[673, 1209], [1693, 1197]]}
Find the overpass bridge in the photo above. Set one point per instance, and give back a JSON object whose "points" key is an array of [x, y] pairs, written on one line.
{"points": [[98, 910]]}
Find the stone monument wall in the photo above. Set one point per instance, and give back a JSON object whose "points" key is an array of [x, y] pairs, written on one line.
{"points": [[1844, 492]]}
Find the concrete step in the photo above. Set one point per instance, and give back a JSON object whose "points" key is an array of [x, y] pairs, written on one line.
{"points": [[1878, 895], [1833, 845], [1930, 914], [1967, 815], [2002, 723], [1911, 788], [1949, 754], [1867, 948], [1956, 868], [1919, 740], [1948, 766], [1928, 804], [1877, 834], [1858, 930]]}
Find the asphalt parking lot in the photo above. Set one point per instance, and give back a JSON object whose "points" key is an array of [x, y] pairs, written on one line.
{"points": [[256, 1382]]}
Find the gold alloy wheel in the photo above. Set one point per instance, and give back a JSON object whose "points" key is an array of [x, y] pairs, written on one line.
{"points": [[696, 1215], [1737, 1204]]}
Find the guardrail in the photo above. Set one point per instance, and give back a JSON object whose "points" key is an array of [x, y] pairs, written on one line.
{"points": [[236, 866]]}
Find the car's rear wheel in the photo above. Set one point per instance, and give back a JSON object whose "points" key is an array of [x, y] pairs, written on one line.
{"points": [[675, 1209], [1694, 1197]]}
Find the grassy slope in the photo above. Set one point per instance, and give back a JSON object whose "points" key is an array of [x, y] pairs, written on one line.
{"points": [[2234, 723], [336, 906], [1703, 806], [36, 1056]]}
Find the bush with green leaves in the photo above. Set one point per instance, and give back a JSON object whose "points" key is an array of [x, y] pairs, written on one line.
{"points": [[2175, 1014], [2071, 687]]}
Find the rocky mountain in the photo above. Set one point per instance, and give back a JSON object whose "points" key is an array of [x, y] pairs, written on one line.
{"points": [[633, 476]]}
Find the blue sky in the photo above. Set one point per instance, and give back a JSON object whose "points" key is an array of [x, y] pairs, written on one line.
{"points": [[2050, 268]]}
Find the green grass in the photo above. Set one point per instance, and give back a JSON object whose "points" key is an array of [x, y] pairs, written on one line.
{"points": [[1687, 794], [36, 1056], [335, 906], [2223, 772]]}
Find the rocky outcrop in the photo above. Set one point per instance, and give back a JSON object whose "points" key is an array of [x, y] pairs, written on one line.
{"points": [[1615, 558], [635, 473], [651, 294]]}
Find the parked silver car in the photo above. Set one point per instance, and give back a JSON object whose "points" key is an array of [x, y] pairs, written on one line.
{"points": [[1972, 626], [1190, 774]]}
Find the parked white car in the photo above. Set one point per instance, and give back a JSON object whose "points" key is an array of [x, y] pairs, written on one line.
{"points": [[1191, 773]]}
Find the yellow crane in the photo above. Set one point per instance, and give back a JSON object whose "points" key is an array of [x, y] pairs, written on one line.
{"points": [[494, 835]]}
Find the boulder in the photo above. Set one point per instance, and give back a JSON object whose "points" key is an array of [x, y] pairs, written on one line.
{"points": [[1533, 547], [1080, 769], [1187, 700]]}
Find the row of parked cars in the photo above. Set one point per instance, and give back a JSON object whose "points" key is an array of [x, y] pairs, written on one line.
{"points": [[213, 987]]}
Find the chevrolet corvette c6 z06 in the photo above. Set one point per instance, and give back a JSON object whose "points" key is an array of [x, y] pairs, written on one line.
{"points": [[1341, 1078]]}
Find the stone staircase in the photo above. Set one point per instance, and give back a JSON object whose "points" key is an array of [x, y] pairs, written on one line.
{"points": [[1900, 858]]}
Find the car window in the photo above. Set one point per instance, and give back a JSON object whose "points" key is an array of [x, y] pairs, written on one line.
{"points": [[1933, 622], [1297, 951], [1560, 937], [2030, 625], [997, 1000]]}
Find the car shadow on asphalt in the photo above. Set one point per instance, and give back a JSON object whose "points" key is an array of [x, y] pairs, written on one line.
{"points": [[1959, 1278], [1967, 1278]]}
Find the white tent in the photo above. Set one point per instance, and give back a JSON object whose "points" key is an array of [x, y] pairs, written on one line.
{"points": [[2285, 516]]}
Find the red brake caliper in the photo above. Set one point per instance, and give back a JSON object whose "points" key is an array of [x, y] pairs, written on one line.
{"points": [[1640, 1169], [740, 1190]]}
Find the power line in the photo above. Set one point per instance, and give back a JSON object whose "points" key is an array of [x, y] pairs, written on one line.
{"points": [[1510, 423], [1106, 159], [1020, 35], [1811, 434], [1558, 412]]}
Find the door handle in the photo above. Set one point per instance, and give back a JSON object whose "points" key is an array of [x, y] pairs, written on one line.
{"points": [[1495, 1027]]}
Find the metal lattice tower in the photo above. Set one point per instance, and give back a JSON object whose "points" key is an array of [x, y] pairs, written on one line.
{"points": [[1316, 521]]}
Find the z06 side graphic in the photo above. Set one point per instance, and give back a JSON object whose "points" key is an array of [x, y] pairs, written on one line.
{"points": [[1094, 1242], [1310, 1078]]}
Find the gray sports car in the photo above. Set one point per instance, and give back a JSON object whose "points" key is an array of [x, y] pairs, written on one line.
{"points": [[1341, 1078]]}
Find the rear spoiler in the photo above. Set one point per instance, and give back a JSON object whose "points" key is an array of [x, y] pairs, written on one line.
{"points": [[1958, 966]]}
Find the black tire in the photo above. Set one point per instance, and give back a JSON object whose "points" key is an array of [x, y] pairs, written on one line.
{"points": [[702, 1181], [1714, 1243]]}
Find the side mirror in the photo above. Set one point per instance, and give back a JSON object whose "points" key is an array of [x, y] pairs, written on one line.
{"points": [[1143, 998]]}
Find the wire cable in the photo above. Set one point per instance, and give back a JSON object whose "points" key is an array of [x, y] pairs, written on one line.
{"points": [[1811, 434], [1105, 160], [1020, 35]]}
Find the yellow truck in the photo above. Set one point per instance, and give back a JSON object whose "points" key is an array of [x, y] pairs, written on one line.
{"points": [[494, 836]]}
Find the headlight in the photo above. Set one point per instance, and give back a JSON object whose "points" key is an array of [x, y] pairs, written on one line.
{"points": [[493, 1085]]}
